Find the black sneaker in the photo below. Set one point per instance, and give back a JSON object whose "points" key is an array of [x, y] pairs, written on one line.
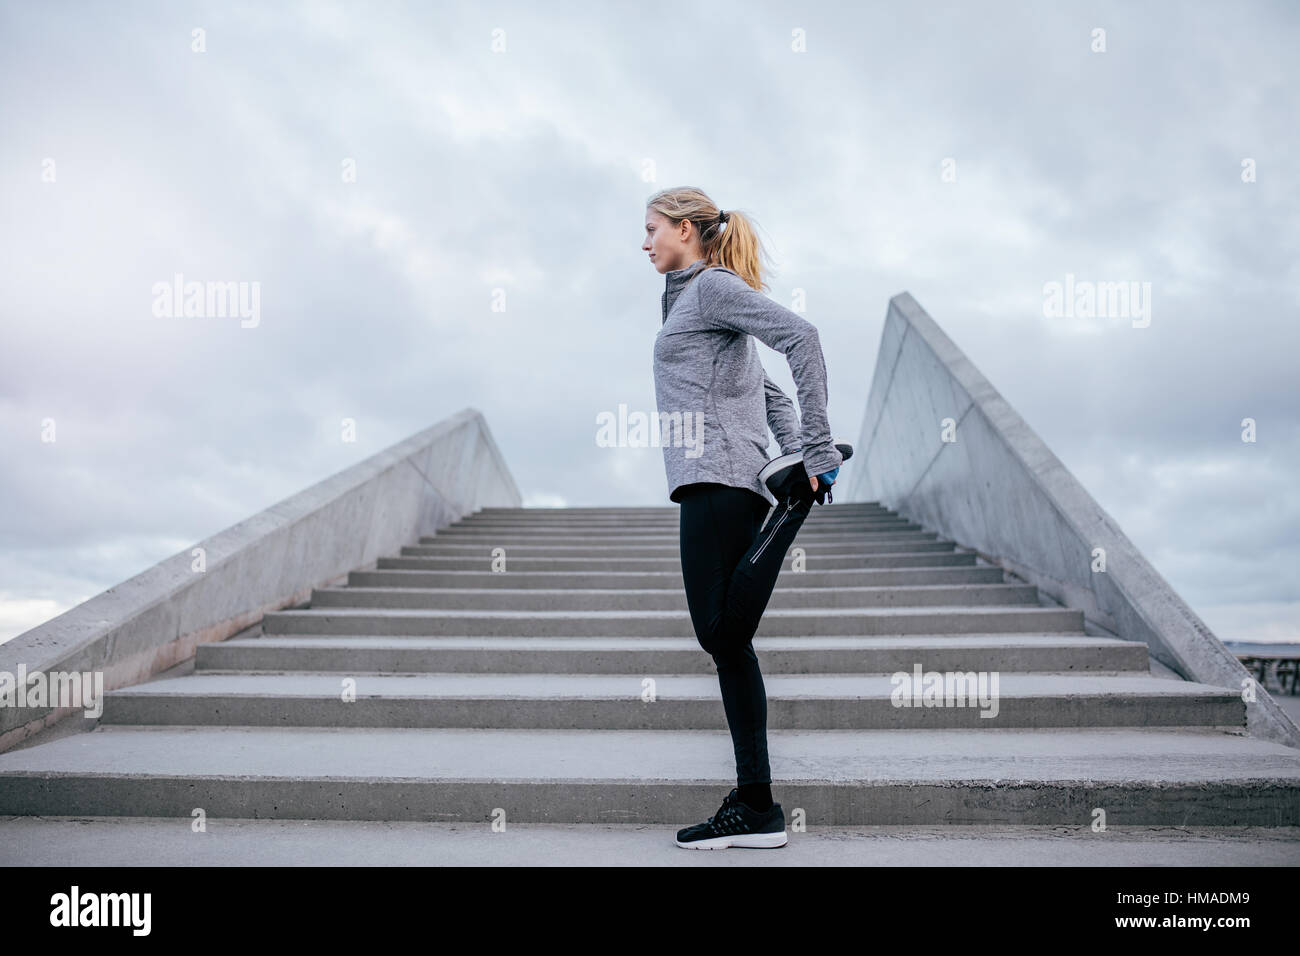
{"points": [[736, 824], [785, 476]]}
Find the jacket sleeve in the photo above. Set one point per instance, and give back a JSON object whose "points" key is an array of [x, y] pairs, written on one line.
{"points": [[781, 417], [727, 301]]}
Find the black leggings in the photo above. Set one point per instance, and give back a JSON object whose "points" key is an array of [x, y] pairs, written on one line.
{"points": [[730, 563]]}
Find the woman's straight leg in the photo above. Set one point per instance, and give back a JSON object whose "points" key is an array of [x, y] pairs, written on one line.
{"points": [[719, 532]]}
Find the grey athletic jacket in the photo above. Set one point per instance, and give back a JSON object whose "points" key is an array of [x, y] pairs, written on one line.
{"points": [[712, 392]]}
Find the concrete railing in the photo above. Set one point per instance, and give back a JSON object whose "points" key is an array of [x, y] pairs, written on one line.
{"points": [[270, 561], [997, 488]]}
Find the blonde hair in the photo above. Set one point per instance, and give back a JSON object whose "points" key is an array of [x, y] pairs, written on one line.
{"points": [[731, 242]]}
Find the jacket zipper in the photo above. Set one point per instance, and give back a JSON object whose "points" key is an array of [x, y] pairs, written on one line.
{"points": [[771, 534]]}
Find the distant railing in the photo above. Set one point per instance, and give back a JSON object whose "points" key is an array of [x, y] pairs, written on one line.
{"points": [[941, 446]]}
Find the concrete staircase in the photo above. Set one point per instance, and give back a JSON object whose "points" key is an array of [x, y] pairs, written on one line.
{"points": [[569, 688]]}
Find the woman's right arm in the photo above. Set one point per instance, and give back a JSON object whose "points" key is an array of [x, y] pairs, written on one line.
{"points": [[728, 302]]}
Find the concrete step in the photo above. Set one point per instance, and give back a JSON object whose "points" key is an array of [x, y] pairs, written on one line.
{"points": [[851, 545], [882, 524], [560, 534], [666, 529], [965, 573], [672, 655], [154, 841], [844, 562], [681, 702], [661, 599], [1171, 777], [549, 515], [775, 621], [833, 509], [817, 516]]}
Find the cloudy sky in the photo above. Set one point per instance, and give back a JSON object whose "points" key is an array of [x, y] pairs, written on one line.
{"points": [[513, 146]]}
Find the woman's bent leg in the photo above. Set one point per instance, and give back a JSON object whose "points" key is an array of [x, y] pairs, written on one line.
{"points": [[754, 578]]}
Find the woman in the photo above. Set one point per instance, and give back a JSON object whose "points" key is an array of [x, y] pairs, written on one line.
{"points": [[707, 371]]}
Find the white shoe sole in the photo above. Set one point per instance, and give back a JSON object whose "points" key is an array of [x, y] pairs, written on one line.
{"points": [[785, 461], [761, 840], [776, 464]]}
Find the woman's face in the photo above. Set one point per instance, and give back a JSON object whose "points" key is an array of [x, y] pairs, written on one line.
{"points": [[670, 246]]}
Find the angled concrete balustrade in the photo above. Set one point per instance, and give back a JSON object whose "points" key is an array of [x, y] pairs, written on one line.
{"points": [[272, 560], [999, 489]]}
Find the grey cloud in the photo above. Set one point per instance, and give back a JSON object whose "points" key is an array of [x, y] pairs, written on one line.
{"points": [[523, 171]]}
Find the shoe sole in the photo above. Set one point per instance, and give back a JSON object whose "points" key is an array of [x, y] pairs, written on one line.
{"points": [[748, 840], [778, 464], [792, 459]]}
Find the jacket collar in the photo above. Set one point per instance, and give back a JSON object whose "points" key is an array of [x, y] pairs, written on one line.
{"points": [[675, 281]]}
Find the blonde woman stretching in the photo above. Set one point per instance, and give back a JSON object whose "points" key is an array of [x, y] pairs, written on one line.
{"points": [[706, 369]]}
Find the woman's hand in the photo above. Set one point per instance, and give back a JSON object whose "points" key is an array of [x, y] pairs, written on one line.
{"points": [[830, 474]]}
